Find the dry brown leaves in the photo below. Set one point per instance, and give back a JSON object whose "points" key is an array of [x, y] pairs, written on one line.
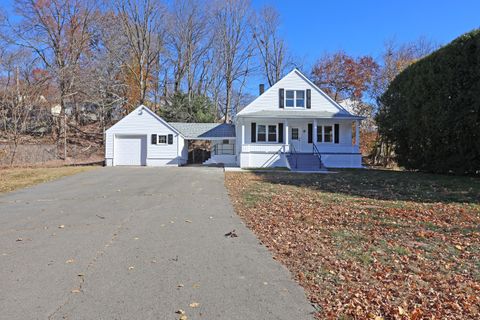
{"points": [[367, 257]]}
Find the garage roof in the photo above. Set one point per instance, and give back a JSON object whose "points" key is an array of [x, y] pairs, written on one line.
{"points": [[205, 130]]}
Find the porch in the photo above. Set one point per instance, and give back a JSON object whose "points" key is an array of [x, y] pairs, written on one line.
{"points": [[268, 142]]}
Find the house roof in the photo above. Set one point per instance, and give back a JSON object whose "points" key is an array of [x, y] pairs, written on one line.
{"points": [[282, 114], [140, 109], [264, 102], [205, 130]]}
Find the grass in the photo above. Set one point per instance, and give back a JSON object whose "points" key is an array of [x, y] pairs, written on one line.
{"points": [[365, 242], [17, 178]]}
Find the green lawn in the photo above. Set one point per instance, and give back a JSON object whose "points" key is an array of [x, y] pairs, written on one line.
{"points": [[371, 243]]}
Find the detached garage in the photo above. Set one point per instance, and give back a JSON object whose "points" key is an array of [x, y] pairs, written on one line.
{"points": [[142, 138]]}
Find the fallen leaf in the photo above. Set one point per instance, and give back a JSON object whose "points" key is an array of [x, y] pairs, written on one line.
{"points": [[61, 226], [131, 268], [231, 234], [75, 291], [81, 274], [19, 239], [70, 261], [180, 311], [194, 305], [196, 285], [180, 285], [183, 317], [136, 238], [458, 247]]}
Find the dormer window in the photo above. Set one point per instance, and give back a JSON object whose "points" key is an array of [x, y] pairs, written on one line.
{"points": [[294, 98], [300, 98], [290, 98]]}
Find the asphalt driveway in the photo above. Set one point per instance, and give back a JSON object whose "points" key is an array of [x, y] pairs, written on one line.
{"points": [[137, 243]]}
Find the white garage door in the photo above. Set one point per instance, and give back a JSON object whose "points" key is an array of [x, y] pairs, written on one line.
{"points": [[130, 150]]}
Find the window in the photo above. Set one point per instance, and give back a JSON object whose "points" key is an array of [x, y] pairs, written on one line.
{"points": [[226, 141], [300, 98], [324, 134], [319, 134], [290, 98], [294, 133], [261, 133], [272, 133], [266, 133], [162, 139], [327, 134], [295, 98]]}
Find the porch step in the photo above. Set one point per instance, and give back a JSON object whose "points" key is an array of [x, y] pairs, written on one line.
{"points": [[305, 162]]}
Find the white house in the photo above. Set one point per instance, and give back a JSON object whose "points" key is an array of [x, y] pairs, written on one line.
{"points": [[293, 124]]}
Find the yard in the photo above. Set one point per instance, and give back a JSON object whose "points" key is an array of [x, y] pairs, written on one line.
{"points": [[371, 243], [16, 178]]}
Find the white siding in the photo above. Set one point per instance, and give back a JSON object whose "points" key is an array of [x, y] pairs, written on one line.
{"points": [[147, 124], [293, 81]]}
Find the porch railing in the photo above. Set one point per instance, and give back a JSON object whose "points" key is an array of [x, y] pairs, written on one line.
{"points": [[266, 147], [317, 153], [294, 154]]}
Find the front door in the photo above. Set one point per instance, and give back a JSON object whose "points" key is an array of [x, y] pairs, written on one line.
{"points": [[295, 138]]}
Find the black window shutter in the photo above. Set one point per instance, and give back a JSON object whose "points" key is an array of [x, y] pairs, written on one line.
{"points": [[281, 98], [309, 99], [337, 132], [154, 139], [280, 132], [170, 139], [310, 132], [254, 132]]}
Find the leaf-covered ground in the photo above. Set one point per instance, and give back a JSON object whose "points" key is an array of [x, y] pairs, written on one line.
{"points": [[370, 243]]}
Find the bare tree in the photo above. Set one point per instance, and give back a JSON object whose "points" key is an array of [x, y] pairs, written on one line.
{"points": [[270, 45], [20, 93], [141, 21], [395, 58], [233, 45], [57, 31]]}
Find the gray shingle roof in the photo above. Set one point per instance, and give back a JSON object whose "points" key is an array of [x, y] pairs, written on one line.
{"points": [[204, 130]]}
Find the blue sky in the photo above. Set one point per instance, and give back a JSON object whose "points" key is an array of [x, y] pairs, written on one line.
{"points": [[361, 27]]}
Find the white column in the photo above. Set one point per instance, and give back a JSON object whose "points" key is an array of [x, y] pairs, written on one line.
{"points": [[243, 134], [286, 131], [314, 138], [357, 133]]}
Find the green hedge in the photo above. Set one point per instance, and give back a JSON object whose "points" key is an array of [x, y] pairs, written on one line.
{"points": [[431, 110]]}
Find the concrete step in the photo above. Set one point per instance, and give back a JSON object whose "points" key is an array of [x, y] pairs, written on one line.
{"points": [[305, 162]]}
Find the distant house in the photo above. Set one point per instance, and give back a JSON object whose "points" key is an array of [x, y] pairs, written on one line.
{"points": [[293, 124]]}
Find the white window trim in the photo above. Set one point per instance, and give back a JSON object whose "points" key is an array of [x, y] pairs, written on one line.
{"points": [[295, 99], [158, 139], [266, 134], [323, 133]]}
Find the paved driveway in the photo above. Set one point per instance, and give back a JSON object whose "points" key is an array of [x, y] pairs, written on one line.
{"points": [[136, 243]]}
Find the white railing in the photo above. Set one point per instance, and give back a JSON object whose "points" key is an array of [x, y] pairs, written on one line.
{"points": [[265, 147], [282, 148]]}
